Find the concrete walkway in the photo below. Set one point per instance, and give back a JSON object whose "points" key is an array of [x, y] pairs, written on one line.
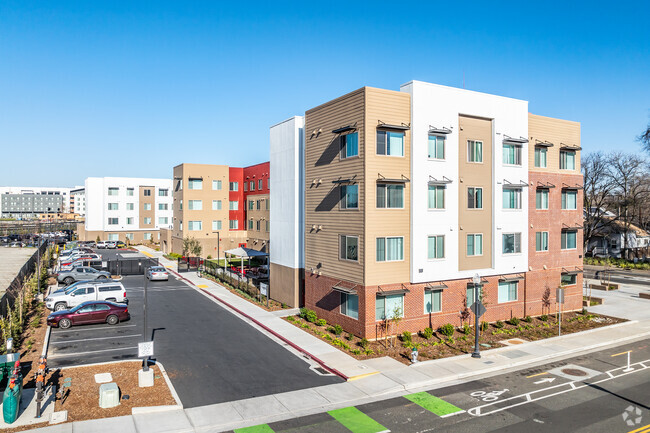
{"points": [[370, 380]]}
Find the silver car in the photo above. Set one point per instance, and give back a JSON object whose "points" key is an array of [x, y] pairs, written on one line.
{"points": [[82, 273], [157, 273]]}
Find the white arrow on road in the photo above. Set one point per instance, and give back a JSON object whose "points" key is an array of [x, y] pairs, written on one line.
{"points": [[547, 380]]}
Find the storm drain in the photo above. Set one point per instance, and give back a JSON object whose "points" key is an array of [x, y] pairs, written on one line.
{"points": [[320, 371]]}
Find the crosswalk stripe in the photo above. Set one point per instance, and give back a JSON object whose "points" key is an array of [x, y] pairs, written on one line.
{"points": [[356, 421], [433, 404], [262, 428]]}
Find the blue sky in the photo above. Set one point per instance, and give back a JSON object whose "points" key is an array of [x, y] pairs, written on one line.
{"points": [[112, 88]]}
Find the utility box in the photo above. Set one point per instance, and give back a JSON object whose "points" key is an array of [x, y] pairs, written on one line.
{"points": [[109, 395]]}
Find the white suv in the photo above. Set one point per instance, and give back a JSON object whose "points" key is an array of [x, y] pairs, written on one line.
{"points": [[90, 291]]}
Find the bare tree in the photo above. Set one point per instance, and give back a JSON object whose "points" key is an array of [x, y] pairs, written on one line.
{"points": [[645, 139], [598, 186]]}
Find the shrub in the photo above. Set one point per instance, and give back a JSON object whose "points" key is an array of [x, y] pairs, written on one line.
{"points": [[427, 333], [369, 352], [514, 321], [284, 305], [328, 337], [321, 322], [484, 326], [304, 325], [356, 351], [303, 313], [466, 329], [330, 329], [447, 330], [209, 257], [364, 343], [543, 317], [407, 337], [528, 319], [349, 337], [338, 330], [311, 316], [291, 319], [499, 324]]}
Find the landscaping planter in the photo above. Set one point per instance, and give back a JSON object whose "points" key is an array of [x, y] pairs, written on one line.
{"points": [[644, 295], [594, 301], [611, 286]]}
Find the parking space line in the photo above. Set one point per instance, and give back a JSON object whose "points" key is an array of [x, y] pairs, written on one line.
{"points": [[67, 355], [94, 339], [99, 328]]}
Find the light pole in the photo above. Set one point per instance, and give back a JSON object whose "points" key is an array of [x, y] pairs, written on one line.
{"points": [[145, 367], [477, 282]]}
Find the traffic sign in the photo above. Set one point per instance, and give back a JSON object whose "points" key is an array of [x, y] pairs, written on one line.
{"points": [[478, 308], [145, 349]]}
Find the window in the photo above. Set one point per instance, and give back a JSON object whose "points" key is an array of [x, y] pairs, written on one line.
{"points": [[540, 157], [112, 206], [390, 249], [474, 198], [567, 160], [195, 205], [349, 196], [195, 225], [512, 198], [511, 243], [113, 191], [474, 151], [349, 145], [234, 186], [260, 185], [436, 197], [129, 192], [387, 307], [508, 291], [568, 240], [113, 237], [349, 248], [541, 241], [250, 224], [259, 225], [163, 192], [146, 192], [113, 221], [390, 196], [181, 205], [233, 205], [390, 143], [469, 293], [216, 185], [195, 184], [130, 237], [233, 224], [268, 183], [475, 245], [258, 204], [251, 204], [436, 147], [245, 186], [268, 226], [216, 204], [433, 301], [147, 220], [163, 220], [252, 184], [569, 199], [569, 279], [541, 198], [216, 225], [147, 206], [350, 305], [129, 220], [163, 206], [511, 154], [147, 236], [436, 247]]}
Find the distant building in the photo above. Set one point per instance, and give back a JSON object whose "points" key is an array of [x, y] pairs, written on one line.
{"points": [[78, 201], [32, 202], [609, 241]]}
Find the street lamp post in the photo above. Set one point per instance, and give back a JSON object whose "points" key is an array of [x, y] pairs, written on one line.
{"points": [[144, 310], [477, 282]]}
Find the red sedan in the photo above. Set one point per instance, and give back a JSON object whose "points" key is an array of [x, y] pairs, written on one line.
{"points": [[90, 312]]}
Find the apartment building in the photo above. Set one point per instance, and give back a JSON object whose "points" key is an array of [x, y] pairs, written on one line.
{"points": [[32, 202], [78, 201], [257, 200], [126, 209], [409, 194]]}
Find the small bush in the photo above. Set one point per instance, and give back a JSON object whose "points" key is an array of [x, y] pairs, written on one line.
{"points": [[466, 329], [369, 352], [303, 313], [311, 316], [499, 324], [321, 322], [330, 329], [291, 319], [447, 330], [284, 306], [338, 330], [328, 337], [349, 337], [543, 317], [528, 319], [484, 326], [407, 337], [209, 257], [514, 321], [427, 333], [356, 351], [304, 325], [364, 343]]}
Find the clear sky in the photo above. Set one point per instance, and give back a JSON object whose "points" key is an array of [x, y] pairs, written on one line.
{"points": [[132, 88]]}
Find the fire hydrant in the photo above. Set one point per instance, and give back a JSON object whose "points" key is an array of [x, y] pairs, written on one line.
{"points": [[414, 355]]}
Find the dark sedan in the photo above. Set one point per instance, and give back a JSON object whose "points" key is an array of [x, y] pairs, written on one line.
{"points": [[90, 312]]}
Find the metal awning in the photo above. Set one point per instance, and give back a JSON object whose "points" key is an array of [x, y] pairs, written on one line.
{"points": [[543, 143], [483, 281], [401, 127], [564, 146], [382, 179], [344, 129], [510, 140], [444, 181], [195, 178], [576, 186], [401, 291], [349, 291], [443, 130], [348, 180], [432, 287], [510, 279], [572, 227], [545, 185], [508, 184], [573, 272]]}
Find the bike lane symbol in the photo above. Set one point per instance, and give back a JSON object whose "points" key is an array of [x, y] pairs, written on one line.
{"points": [[488, 396]]}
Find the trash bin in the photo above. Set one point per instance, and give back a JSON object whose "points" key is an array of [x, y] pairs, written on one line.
{"points": [[7, 363], [11, 398]]}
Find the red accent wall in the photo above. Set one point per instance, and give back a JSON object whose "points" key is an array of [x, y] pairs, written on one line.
{"points": [[255, 173], [237, 175]]}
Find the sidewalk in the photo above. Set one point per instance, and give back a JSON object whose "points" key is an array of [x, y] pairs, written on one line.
{"points": [[368, 381]]}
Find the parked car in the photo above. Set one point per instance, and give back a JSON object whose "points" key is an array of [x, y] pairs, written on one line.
{"points": [[71, 286], [155, 273], [81, 273], [120, 244], [111, 244], [90, 312], [101, 244], [92, 263], [89, 291]]}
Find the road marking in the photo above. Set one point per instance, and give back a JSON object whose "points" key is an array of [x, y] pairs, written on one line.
{"points": [[202, 286], [98, 328], [262, 428], [433, 404], [640, 429], [545, 380], [146, 254], [356, 421], [622, 353], [535, 375], [67, 355], [93, 339]]}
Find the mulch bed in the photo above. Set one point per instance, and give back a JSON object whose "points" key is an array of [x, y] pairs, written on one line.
{"points": [[441, 346], [273, 305]]}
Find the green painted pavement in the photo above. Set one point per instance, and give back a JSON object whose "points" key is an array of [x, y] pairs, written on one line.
{"points": [[432, 403], [262, 428], [357, 421]]}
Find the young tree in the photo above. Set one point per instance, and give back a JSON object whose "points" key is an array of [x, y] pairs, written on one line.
{"points": [[192, 246], [598, 186]]}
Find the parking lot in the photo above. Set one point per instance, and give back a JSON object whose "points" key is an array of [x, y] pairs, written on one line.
{"points": [[211, 355]]}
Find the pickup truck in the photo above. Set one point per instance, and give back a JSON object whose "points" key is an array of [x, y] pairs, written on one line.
{"points": [[89, 291]]}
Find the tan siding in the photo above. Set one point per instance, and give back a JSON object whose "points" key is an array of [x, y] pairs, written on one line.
{"points": [[555, 131], [151, 201]]}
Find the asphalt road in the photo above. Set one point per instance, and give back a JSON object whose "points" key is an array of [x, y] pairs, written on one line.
{"points": [[621, 276], [590, 393], [211, 355]]}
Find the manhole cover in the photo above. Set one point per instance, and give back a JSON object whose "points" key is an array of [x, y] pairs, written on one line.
{"points": [[574, 372], [515, 341]]}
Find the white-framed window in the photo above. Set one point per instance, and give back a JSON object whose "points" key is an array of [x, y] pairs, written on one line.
{"points": [[195, 205], [113, 191], [147, 206], [181, 204], [113, 221], [129, 236], [511, 243], [350, 145], [163, 206], [129, 220], [475, 244], [541, 199], [390, 196], [569, 199], [216, 204], [233, 224], [113, 237], [113, 206], [436, 146], [251, 205], [390, 249], [233, 186], [146, 192], [474, 197], [390, 143], [216, 185], [252, 185], [194, 183], [260, 184], [216, 225], [432, 301], [436, 197], [508, 291], [163, 192], [387, 307], [567, 160], [568, 239], [540, 157], [349, 248], [147, 236], [511, 198], [233, 205], [350, 305], [568, 279], [474, 151], [469, 294], [147, 220], [130, 191], [130, 206], [541, 241], [195, 225], [511, 154], [163, 220], [436, 247]]}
